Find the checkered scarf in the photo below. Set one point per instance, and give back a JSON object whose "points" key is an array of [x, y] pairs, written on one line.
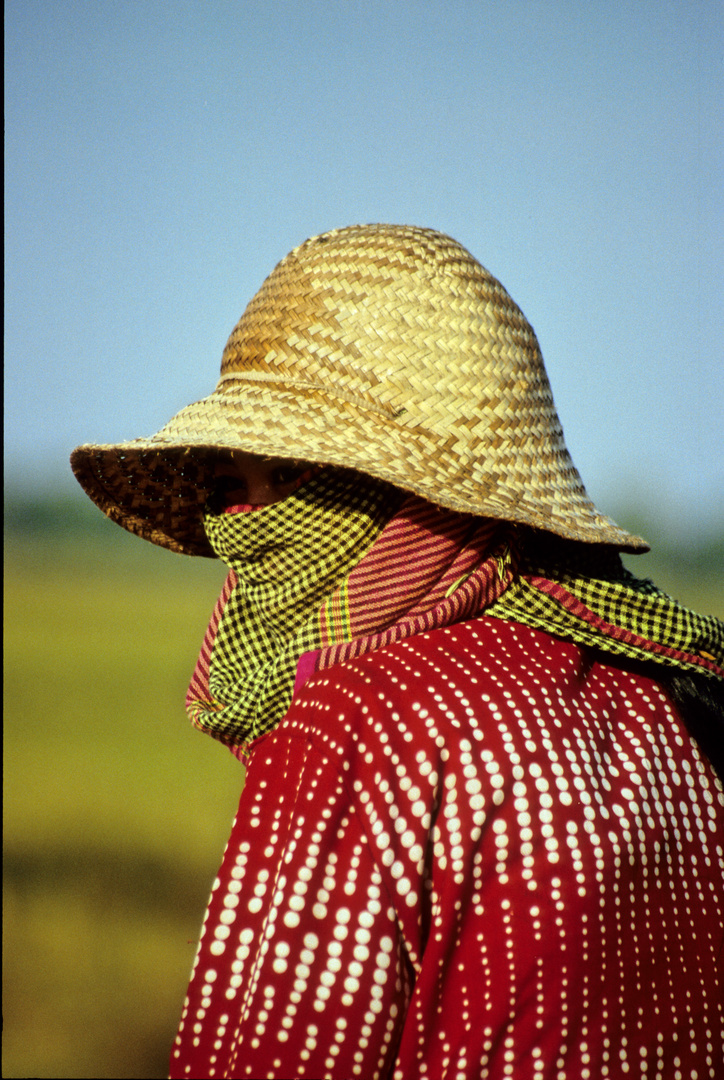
{"points": [[285, 560], [339, 569], [584, 593]]}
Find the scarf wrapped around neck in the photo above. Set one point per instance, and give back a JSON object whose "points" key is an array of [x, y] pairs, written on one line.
{"points": [[347, 565]]}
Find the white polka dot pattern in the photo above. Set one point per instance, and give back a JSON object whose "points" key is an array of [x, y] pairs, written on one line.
{"points": [[478, 853]]}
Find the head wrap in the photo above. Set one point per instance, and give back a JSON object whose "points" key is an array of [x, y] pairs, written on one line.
{"points": [[346, 566]]}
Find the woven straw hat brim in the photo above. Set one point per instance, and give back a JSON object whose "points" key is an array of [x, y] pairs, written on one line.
{"points": [[157, 487], [386, 349]]}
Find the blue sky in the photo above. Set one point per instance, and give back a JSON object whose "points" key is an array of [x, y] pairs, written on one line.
{"points": [[161, 157]]}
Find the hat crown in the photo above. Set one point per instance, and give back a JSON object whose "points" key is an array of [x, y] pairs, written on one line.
{"points": [[402, 318], [404, 323]]}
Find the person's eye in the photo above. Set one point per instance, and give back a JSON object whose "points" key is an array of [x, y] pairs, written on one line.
{"points": [[226, 485], [286, 474]]}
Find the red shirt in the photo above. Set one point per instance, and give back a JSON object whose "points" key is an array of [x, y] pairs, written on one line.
{"points": [[480, 852]]}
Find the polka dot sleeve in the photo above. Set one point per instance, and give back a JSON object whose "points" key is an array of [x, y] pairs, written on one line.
{"points": [[301, 970]]}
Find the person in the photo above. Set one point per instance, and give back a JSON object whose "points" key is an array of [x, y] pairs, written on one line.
{"points": [[482, 829]]}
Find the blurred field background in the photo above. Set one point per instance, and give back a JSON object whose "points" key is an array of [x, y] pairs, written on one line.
{"points": [[116, 810], [161, 158]]}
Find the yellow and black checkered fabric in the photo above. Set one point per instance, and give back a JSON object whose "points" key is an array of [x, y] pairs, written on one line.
{"points": [[288, 558], [586, 595]]}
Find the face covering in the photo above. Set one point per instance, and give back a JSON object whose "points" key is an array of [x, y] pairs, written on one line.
{"points": [[286, 558]]}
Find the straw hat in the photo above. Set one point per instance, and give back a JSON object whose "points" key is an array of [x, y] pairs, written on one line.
{"points": [[387, 349]]}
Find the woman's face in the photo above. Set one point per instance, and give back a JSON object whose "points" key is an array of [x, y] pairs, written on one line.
{"points": [[257, 481]]}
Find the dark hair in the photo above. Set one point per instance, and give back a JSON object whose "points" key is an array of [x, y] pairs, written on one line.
{"points": [[699, 700]]}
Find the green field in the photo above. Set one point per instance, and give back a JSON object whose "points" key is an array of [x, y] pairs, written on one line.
{"points": [[116, 810]]}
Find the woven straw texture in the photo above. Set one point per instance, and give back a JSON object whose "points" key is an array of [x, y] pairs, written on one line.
{"points": [[386, 349]]}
